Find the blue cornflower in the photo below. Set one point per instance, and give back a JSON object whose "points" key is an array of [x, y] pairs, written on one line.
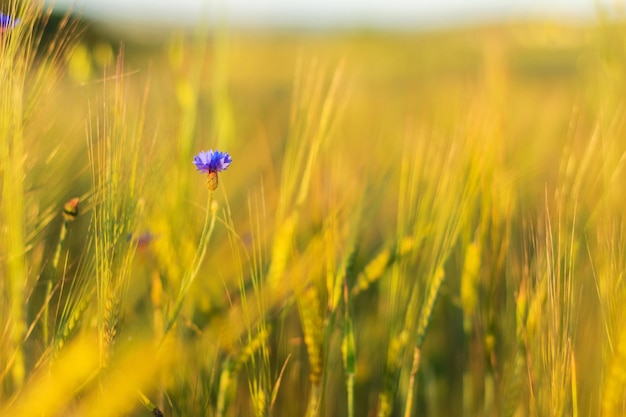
{"points": [[211, 162], [7, 22]]}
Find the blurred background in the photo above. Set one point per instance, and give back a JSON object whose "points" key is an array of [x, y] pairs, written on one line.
{"points": [[387, 14], [497, 106]]}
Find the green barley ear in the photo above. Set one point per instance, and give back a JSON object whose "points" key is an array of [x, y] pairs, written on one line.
{"points": [[72, 317], [251, 348], [375, 269], [115, 149], [312, 327], [395, 357], [111, 321], [429, 303], [469, 284]]}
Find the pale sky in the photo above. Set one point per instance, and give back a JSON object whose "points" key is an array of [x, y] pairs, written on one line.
{"points": [[332, 12]]}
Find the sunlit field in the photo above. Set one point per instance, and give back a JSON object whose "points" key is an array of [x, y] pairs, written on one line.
{"points": [[413, 223]]}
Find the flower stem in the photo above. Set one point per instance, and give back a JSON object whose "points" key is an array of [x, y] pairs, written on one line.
{"points": [[192, 272]]}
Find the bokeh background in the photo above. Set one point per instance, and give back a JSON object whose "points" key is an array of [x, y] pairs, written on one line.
{"points": [[328, 14], [424, 214]]}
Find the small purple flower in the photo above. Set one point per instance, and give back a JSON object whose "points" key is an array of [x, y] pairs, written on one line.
{"points": [[7, 22], [211, 162], [142, 240]]}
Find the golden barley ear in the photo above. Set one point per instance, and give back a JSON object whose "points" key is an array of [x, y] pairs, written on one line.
{"points": [[211, 181], [312, 327]]}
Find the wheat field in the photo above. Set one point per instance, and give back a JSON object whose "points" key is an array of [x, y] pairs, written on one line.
{"points": [[423, 223]]}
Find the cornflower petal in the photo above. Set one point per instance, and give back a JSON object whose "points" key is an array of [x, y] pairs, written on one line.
{"points": [[7, 22], [212, 161]]}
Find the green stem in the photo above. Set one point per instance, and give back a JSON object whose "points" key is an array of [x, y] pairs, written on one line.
{"points": [[192, 273], [350, 388], [55, 265], [150, 406]]}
